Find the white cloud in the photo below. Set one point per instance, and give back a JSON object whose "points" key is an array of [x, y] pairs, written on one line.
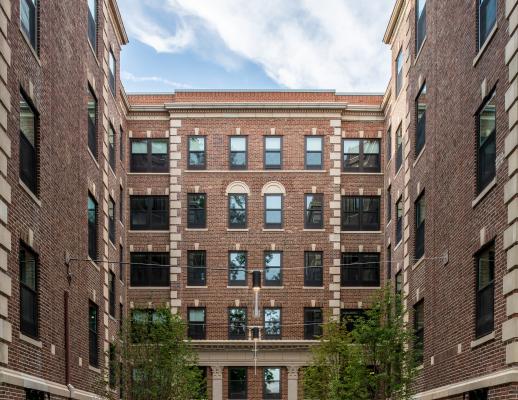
{"points": [[331, 44], [128, 76]]}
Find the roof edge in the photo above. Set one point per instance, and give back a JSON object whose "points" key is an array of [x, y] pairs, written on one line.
{"points": [[119, 22], [394, 17]]}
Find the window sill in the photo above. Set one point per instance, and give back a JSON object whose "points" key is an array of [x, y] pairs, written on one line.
{"points": [[418, 263], [268, 171], [273, 230], [112, 244], [420, 50], [97, 370], [485, 45], [93, 157], [419, 156], [313, 287], [313, 230], [399, 170], [164, 231], [196, 287], [398, 244], [94, 264], [388, 224], [30, 46], [266, 287], [484, 339], [30, 193], [196, 229], [93, 51], [149, 287], [238, 230], [112, 171], [360, 232], [484, 193], [363, 173], [361, 287], [149, 173], [238, 287], [32, 341]]}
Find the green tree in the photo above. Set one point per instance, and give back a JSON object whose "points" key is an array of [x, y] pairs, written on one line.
{"points": [[372, 361], [151, 359]]}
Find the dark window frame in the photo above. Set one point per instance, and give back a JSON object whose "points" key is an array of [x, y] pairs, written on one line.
{"points": [[197, 330], [419, 331], [121, 204], [29, 294], [420, 126], [196, 274], [111, 293], [92, 26], [202, 165], [122, 264], [349, 317], [93, 335], [231, 153], [266, 210], [365, 261], [240, 326], [483, 37], [313, 275], [29, 157], [271, 282], [150, 213], [361, 156], [237, 282], [151, 272], [122, 143], [266, 151], [232, 392], [31, 32], [312, 324], [307, 152], [399, 219], [233, 209], [112, 74], [272, 396], [420, 26], [399, 149], [111, 219], [111, 147], [419, 208], [485, 319], [92, 124], [279, 323], [194, 210], [389, 143], [486, 173], [93, 228], [362, 225], [388, 204], [478, 394], [309, 212], [399, 71], [157, 163]]}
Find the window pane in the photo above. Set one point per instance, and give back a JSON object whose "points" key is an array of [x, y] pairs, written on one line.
{"points": [[237, 267], [487, 17], [238, 201], [197, 315], [139, 147], [371, 146], [314, 158], [238, 144], [238, 159], [274, 217], [273, 158], [314, 144], [274, 202], [273, 143], [197, 144], [487, 120], [352, 146], [158, 147], [272, 381], [27, 122]]}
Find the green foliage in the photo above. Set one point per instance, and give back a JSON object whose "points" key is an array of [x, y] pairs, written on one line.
{"points": [[373, 361], [153, 360]]}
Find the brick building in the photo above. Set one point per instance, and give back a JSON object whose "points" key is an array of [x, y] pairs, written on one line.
{"points": [[176, 199]]}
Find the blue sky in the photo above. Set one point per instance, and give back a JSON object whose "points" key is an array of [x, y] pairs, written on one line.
{"points": [[255, 44]]}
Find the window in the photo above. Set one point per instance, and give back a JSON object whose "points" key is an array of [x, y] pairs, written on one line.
{"points": [[111, 219], [197, 212], [419, 227], [479, 394], [121, 317], [399, 72], [272, 268], [272, 383], [121, 144], [399, 148], [399, 220], [349, 318], [485, 294], [143, 322], [486, 143], [237, 212], [361, 155], [486, 19], [273, 152], [314, 151], [314, 213], [111, 147], [313, 319], [313, 269], [29, 20], [237, 323], [112, 66], [32, 394], [196, 329], [237, 268], [272, 323], [111, 293], [420, 134], [273, 211], [92, 123], [389, 262], [237, 383], [420, 23], [196, 268], [238, 152], [360, 269], [399, 283], [149, 155], [92, 23], [419, 331], [112, 367], [122, 270], [360, 213], [149, 269], [92, 228], [149, 213], [28, 145], [389, 204], [28, 292], [121, 204], [197, 159], [93, 335], [389, 143]]}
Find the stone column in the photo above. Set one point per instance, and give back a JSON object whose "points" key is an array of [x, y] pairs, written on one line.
{"points": [[217, 382], [293, 382]]}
